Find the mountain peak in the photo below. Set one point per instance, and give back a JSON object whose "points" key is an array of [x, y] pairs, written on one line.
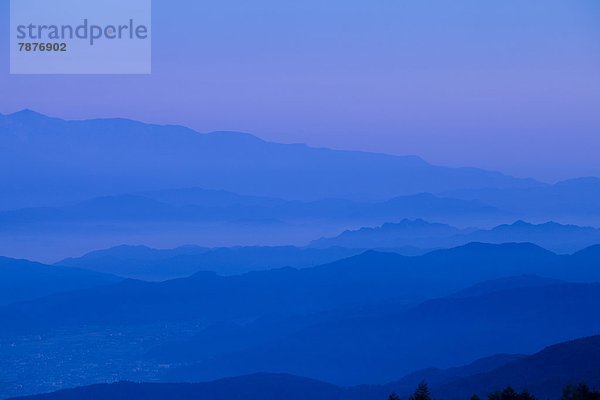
{"points": [[27, 113], [521, 223]]}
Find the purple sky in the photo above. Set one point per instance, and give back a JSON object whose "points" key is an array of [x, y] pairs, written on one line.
{"points": [[511, 85]]}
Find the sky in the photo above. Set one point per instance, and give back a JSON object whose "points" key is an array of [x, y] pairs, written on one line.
{"points": [[509, 85]]}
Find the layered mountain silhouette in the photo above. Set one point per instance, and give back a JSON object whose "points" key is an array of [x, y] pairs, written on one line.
{"points": [[141, 262], [544, 374], [347, 322], [55, 161], [166, 206], [441, 332], [364, 307], [364, 279], [418, 233], [213, 218], [573, 200], [435, 377], [78, 186], [22, 280], [222, 338], [421, 234], [409, 237]]}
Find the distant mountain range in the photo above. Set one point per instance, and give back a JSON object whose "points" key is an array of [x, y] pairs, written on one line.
{"points": [[55, 161], [77, 186], [208, 205], [141, 262], [422, 234], [22, 280], [573, 200], [408, 237], [212, 218], [544, 374], [392, 294], [222, 338], [347, 322], [441, 332], [364, 279]]}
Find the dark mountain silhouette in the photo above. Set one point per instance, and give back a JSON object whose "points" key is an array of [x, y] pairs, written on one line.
{"points": [[71, 160], [439, 332], [418, 233], [436, 377], [223, 337], [368, 278], [550, 235], [588, 268], [345, 322], [406, 237], [141, 262], [257, 386], [544, 374], [421, 234], [22, 280]]}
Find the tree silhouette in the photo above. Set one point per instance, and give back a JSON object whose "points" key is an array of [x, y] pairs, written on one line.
{"points": [[579, 392], [510, 394], [393, 396], [422, 392]]}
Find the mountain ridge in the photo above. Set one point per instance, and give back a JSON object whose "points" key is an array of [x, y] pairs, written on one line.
{"points": [[368, 277], [564, 238], [254, 167], [393, 344], [23, 280]]}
